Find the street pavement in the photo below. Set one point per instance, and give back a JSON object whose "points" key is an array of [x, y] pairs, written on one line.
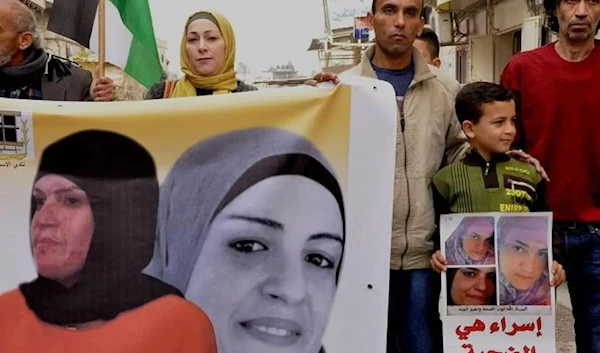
{"points": [[565, 336]]}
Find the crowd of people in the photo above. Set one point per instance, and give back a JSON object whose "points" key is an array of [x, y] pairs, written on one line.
{"points": [[541, 118]]}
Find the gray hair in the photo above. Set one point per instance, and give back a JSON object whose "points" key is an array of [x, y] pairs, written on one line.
{"points": [[24, 20]]}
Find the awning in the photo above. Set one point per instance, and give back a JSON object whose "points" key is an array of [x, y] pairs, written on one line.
{"points": [[453, 5]]}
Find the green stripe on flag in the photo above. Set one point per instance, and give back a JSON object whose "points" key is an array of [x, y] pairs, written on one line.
{"points": [[143, 63]]}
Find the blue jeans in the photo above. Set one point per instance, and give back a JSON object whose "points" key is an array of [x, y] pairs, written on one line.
{"points": [[414, 324], [579, 245]]}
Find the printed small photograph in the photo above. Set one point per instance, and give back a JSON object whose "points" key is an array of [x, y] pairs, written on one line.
{"points": [[523, 245], [472, 242], [471, 286]]}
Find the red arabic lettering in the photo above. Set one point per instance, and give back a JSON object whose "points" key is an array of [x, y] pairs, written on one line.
{"points": [[478, 326], [511, 349], [521, 328], [469, 347], [539, 326], [495, 326]]}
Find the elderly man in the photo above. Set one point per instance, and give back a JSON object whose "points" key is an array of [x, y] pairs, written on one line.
{"points": [[27, 71], [556, 89]]}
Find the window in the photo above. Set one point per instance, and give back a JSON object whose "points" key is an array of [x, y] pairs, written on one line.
{"points": [[8, 126]]}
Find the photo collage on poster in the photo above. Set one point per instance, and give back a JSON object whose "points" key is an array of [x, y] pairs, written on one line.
{"points": [[497, 263]]}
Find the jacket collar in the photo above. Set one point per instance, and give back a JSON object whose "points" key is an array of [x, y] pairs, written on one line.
{"points": [[53, 90], [473, 158], [422, 71]]}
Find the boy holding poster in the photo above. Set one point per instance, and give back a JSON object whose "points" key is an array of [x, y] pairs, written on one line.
{"points": [[497, 292], [486, 179]]}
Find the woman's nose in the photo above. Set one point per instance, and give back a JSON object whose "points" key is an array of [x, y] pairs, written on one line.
{"points": [[528, 264], [286, 281], [202, 45], [481, 284], [47, 215], [479, 245]]}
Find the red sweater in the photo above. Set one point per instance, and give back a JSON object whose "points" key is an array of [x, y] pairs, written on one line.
{"points": [[558, 106], [169, 324]]}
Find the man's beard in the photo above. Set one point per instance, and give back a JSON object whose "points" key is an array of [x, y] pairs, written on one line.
{"points": [[6, 56]]}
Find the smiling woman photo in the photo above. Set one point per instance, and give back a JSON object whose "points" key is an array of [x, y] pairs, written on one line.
{"points": [[472, 242], [523, 260], [471, 286], [251, 228]]}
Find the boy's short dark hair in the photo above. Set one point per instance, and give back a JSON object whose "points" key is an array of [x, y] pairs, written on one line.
{"points": [[433, 43], [472, 97]]}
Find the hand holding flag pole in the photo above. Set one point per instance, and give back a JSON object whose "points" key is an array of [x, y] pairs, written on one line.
{"points": [[101, 36], [133, 45]]}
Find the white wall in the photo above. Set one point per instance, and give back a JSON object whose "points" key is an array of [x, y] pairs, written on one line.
{"points": [[510, 14], [504, 51]]}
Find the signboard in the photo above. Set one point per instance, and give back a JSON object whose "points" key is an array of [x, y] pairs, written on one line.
{"points": [[496, 292], [361, 29], [343, 12]]}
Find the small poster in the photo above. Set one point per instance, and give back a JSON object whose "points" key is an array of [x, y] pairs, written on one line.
{"points": [[361, 28], [497, 295]]}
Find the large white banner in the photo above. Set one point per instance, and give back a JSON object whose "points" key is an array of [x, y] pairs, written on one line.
{"points": [[268, 212]]}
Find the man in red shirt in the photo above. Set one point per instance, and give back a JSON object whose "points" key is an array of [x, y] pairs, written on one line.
{"points": [[557, 90]]}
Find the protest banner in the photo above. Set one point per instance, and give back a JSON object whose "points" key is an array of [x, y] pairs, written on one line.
{"points": [[270, 211], [496, 292]]}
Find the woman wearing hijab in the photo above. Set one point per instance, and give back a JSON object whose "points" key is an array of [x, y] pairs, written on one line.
{"points": [[207, 56], [251, 228], [471, 286], [472, 243], [93, 219], [523, 260]]}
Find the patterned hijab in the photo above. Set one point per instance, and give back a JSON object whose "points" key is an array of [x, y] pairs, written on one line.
{"points": [[456, 254], [532, 229]]}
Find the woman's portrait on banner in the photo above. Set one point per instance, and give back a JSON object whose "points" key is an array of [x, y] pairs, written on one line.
{"points": [[523, 245], [251, 229], [92, 223], [472, 242]]}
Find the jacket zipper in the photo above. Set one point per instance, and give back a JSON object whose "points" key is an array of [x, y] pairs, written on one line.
{"points": [[487, 169], [403, 126], [514, 182]]}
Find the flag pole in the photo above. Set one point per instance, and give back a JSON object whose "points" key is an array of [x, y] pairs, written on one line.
{"points": [[101, 36]]}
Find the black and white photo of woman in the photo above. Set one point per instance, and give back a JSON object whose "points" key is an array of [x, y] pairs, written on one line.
{"points": [[251, 229]]}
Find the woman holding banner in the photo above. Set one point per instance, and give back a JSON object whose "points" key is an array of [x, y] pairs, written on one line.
{"points": [[207, 56], [251, 228], [523, 260], [93, 220]]}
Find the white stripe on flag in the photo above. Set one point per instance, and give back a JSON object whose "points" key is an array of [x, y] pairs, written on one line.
{"points": [[118, 37]]}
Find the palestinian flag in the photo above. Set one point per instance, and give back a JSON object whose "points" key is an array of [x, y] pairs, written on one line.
{"points": [[130, 41]]}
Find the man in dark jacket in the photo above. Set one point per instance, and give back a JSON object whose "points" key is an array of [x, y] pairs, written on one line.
{"points": [[27, 71]]}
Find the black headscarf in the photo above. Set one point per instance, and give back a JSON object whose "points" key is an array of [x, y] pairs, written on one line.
{"points": [[119, 177]]}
